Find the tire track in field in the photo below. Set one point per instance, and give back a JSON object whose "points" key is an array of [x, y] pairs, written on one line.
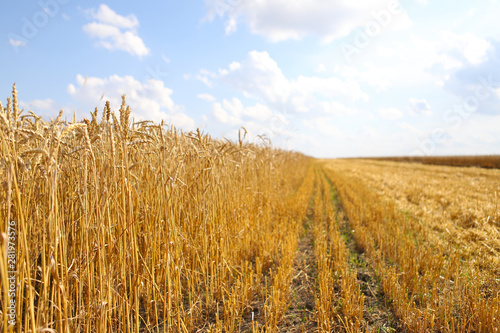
{"points": [[300, 314], [377, 316]]}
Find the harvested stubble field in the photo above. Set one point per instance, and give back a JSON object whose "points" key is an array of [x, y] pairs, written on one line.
{"points": [[135, 227], [432, 235]]}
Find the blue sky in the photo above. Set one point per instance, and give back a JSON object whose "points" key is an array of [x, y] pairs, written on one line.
{"points": [[327, 78]]}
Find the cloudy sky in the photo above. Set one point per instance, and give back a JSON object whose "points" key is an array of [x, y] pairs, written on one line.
{"points": [[335, 78]]}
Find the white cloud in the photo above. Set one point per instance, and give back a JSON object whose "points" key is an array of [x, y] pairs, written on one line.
{"points": [[452, 51], [207, 97], [148, 100], [477, 81], [205, 80], [283, 106], [204, 76], [223, 116], [324, 126], [233, 112], [335, 108], [478, 135], [398, 64], [331, 87], [469, 46], [320, 69], [368, 132], [390, 113], [259, 76], [419, 107], [16, 43], [378, 77], [259, 120], [409, 128], [280, 20], [220, 8], [115, 32], [106, 15], [40, 105], [418, 61], [46, 107], [488, 135], [165, 58]]}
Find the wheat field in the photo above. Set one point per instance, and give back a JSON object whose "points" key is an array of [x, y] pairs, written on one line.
{"points": [[111, 225]]}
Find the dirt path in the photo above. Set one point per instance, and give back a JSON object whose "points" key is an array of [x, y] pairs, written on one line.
{"points": [[300, 315], [377, 316]]}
